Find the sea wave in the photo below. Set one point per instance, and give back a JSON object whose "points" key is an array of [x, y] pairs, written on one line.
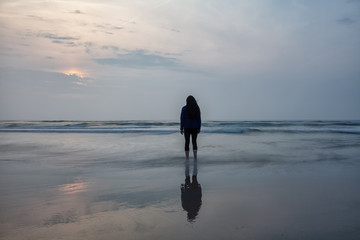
{"points": [[169, 127]]}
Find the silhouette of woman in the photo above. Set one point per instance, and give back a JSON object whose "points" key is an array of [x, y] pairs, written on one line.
{"points": [[190, 124]]}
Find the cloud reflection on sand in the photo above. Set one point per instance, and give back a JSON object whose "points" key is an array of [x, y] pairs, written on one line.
{"points": [[73, 188]]}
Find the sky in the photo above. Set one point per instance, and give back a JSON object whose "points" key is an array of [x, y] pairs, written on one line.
{"points": [[140, 59]]}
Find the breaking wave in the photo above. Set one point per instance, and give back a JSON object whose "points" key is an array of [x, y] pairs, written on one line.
{"points": [[169, 127]]}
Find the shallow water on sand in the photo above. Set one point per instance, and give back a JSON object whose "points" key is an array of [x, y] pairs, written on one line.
{"points": [[128, 186]]}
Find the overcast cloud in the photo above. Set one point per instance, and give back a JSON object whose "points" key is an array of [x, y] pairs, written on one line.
{"points": [[123, 60]]}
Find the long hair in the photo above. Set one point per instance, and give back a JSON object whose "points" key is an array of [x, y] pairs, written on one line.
{"points": [[192, 108]]}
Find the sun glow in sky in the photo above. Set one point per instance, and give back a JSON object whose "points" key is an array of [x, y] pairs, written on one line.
{"points": [[75, 72], [253, 59]]}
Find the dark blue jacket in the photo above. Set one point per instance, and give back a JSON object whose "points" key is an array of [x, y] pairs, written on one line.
{"points": [[186, 122]]}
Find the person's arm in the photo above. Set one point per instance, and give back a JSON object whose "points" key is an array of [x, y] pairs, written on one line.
{"points": [[199, 123], [182, 121]]}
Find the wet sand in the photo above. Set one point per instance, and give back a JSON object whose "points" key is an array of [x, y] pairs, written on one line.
{"points": [[66, 190]]}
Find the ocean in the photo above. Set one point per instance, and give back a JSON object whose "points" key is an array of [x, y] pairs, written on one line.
{"points": [[168, 127], [126, 180]]}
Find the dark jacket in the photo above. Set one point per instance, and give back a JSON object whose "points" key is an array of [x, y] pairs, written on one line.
{"points": [[186, 122]]}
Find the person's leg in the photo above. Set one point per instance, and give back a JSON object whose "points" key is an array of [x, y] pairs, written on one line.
{"points": [[194, 134], [187, 142]]}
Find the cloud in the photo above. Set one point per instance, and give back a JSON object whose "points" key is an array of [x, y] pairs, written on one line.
{"points": [[77, 12], [108, 28], [139, 58], [36, 17], [88, 47], [55, 37], [69, 44], [26, 94], [113, 48], [346, 21], [32, 79], [66, 40], [117, 28]]}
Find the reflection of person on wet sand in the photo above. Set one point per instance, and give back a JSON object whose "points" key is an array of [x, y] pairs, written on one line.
{"points": [[191, 193]]}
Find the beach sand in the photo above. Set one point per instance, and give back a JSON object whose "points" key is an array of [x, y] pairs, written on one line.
{"points": [[128, 186]]}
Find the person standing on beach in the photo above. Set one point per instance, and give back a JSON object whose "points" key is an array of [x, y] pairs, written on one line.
{"points": [[190, 124]]}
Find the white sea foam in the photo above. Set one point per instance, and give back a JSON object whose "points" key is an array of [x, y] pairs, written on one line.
{"points": [[168, 127]]}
